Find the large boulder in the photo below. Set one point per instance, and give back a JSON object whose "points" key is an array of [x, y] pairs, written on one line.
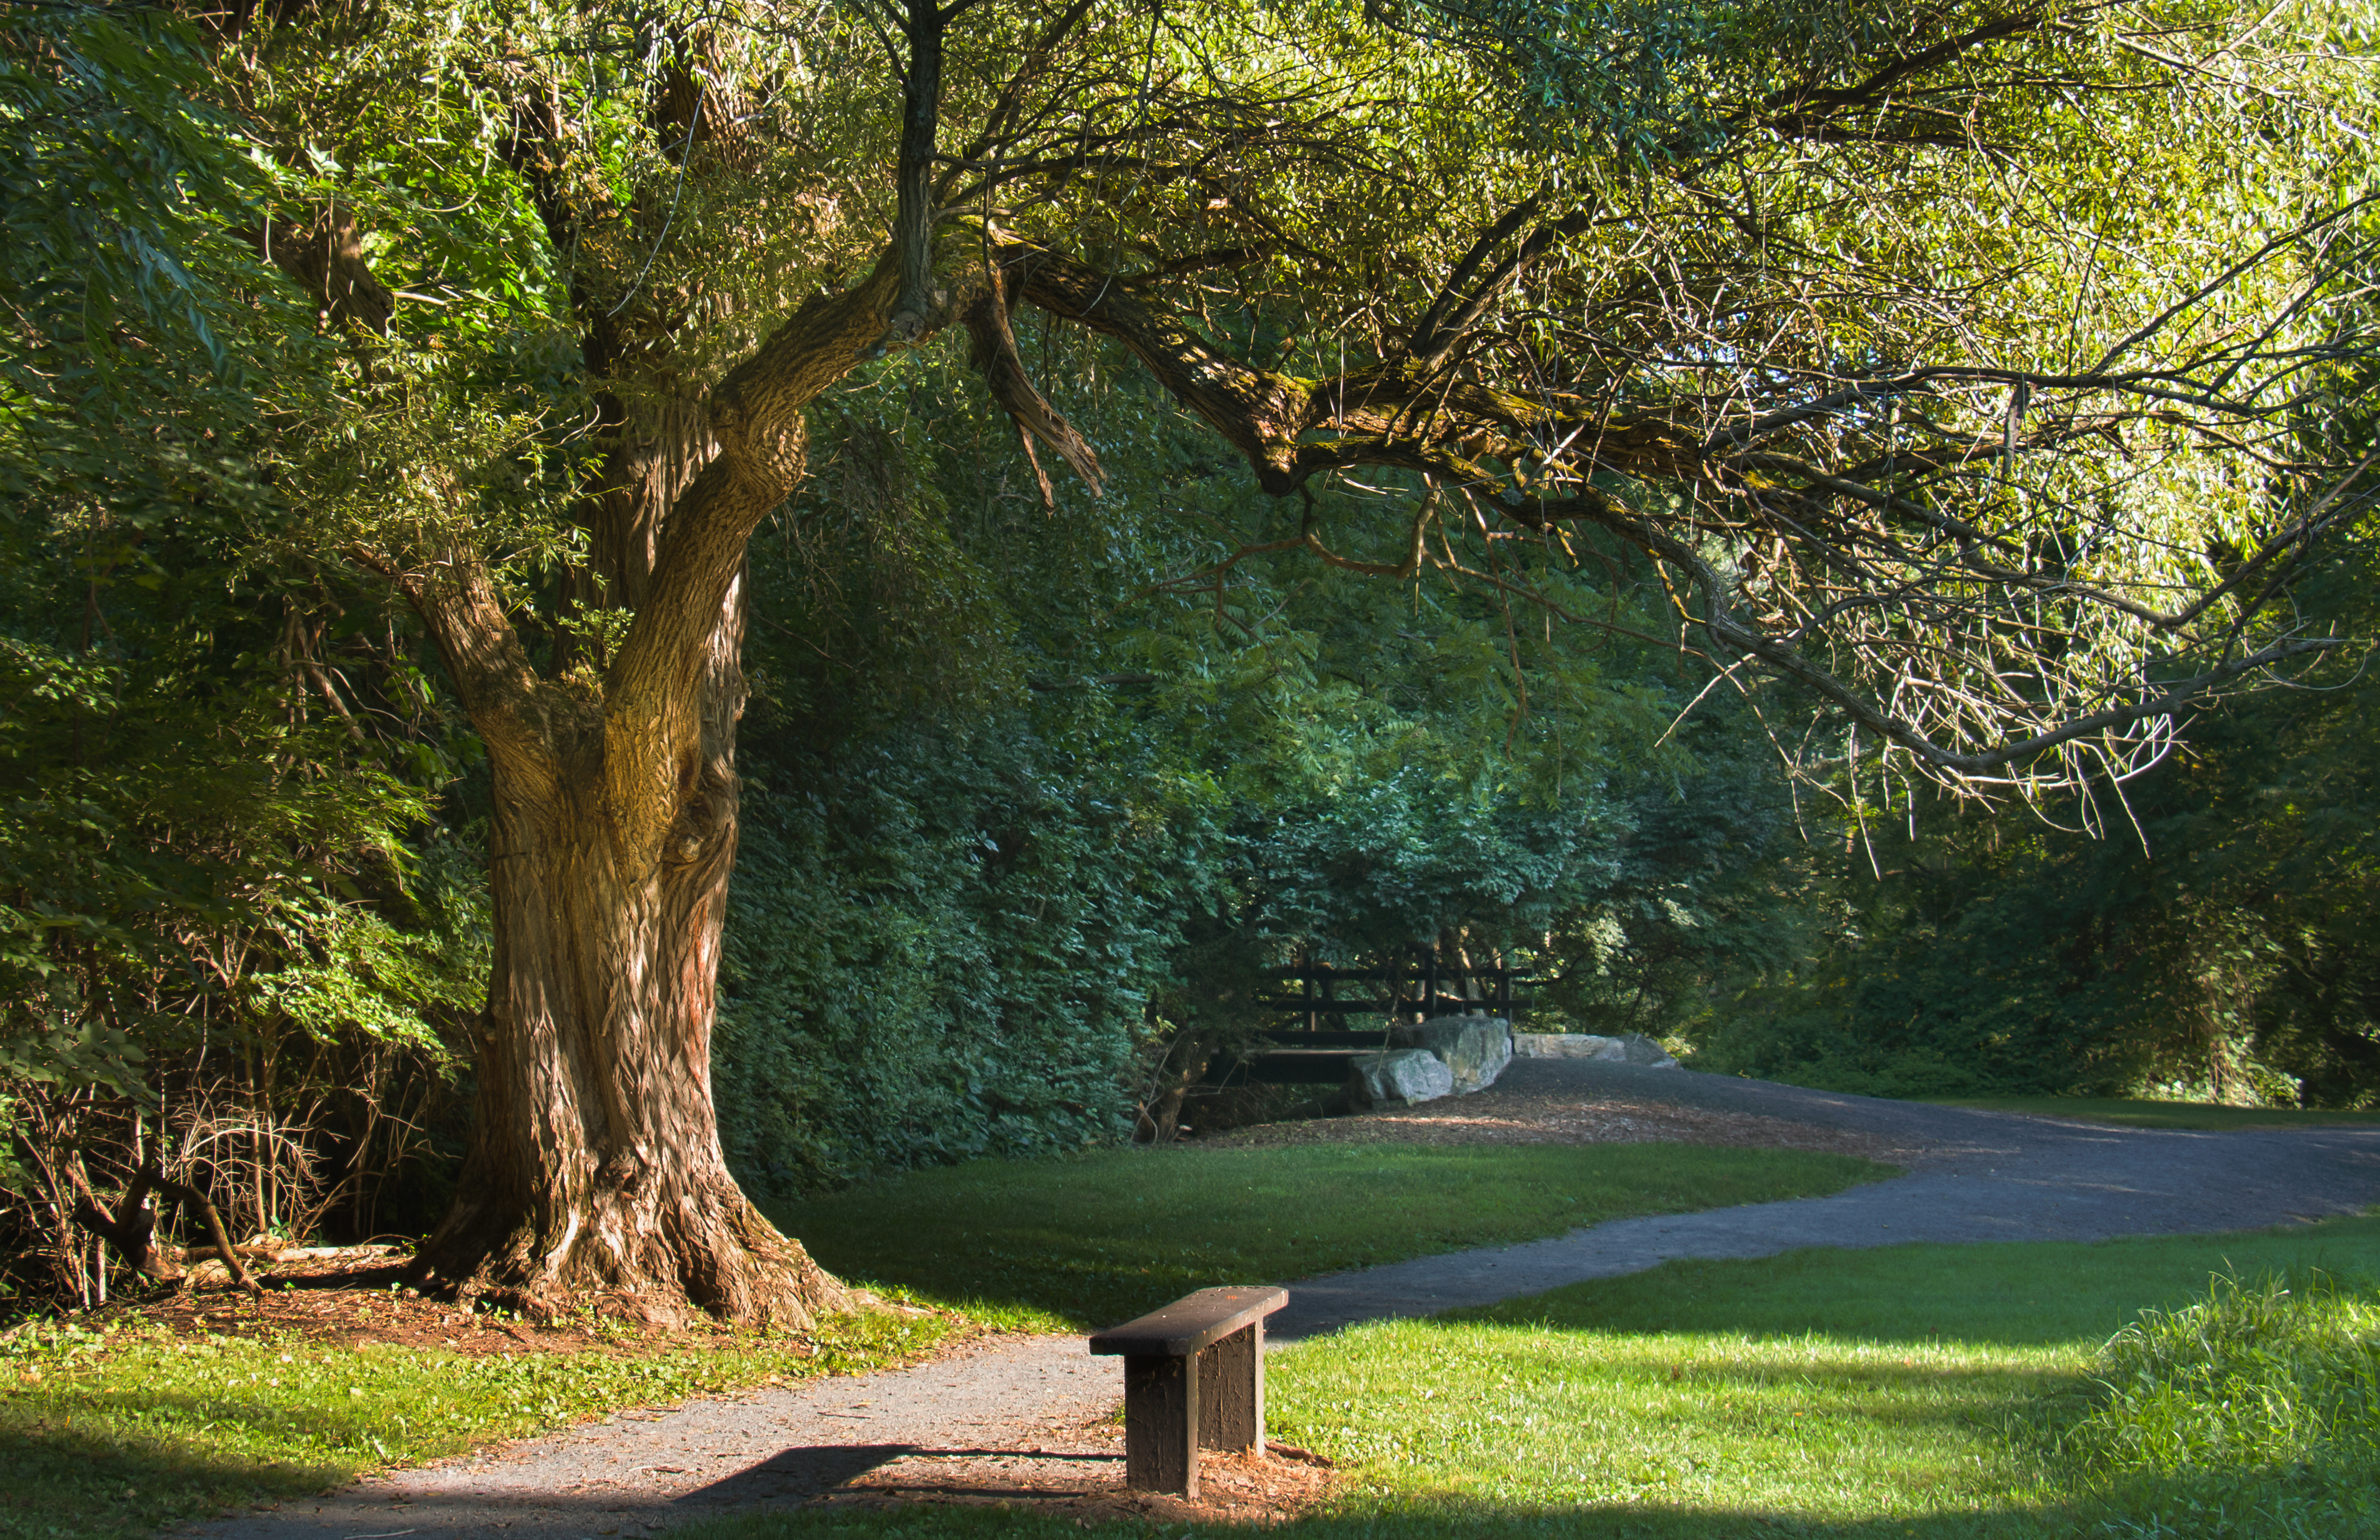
{"points": [[1632, 1048], [1397, 1077], [1475, 1050], [1641, 1050], [1568, 1045]]}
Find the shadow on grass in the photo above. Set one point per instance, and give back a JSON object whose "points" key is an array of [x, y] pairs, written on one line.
{"points": [[62, 1480]]}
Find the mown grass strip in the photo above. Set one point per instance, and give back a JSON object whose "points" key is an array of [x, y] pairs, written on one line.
{"points": [[1917, 1389], [114, 1435], [1084, 1241], [2132, 1112]]}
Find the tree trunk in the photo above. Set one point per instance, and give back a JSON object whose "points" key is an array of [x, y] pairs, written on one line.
{"points": [[595, 1175]]}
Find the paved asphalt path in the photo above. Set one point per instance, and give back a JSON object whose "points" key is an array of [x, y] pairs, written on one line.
{"points": [[1018, 1407], [1975, 1176]]}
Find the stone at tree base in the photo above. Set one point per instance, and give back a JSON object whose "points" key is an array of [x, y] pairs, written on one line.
{"points": [[1633, 1048], [1397, 1077], [1475, 1050]]}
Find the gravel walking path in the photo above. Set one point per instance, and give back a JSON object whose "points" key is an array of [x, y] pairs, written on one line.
{"points": [[1030, 1415], [999, 1410]]}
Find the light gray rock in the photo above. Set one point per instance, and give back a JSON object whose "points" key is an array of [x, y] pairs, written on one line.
{"points": [[1640, 1049], [1568, 1045], [1632, 1048], [1398, 1077], [1474, 1048]]}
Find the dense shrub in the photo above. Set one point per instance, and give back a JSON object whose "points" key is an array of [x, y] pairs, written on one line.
{"points": [[942, 947], [2254, 1412]]}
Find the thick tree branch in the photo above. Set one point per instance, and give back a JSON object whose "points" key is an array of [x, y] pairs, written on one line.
{"points": [[1399, 413], [325, 257], [996, 358], [918, 307], [1260, 412], [651, 726], [522, 719]]}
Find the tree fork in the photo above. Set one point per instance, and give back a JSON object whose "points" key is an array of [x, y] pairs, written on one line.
{"points": [[595, 1175]]}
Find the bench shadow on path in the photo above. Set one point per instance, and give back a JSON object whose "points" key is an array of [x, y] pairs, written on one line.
{"points": [[814, 1468]]}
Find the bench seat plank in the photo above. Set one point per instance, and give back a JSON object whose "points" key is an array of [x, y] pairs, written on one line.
{"points": [[1190, 1323]]}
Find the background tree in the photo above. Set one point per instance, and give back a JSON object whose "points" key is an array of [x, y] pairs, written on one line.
{"points": [[230, 941], [2210, 941], [1954, 366]]}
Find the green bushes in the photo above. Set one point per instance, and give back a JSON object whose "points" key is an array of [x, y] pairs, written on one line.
{"points": [[940, 949], [2204, 932], [1023, 826]]}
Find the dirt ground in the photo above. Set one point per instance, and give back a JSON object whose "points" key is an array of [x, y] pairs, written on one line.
{"points": [[350, 1296], [1508, 1117], [1083, 1480]]}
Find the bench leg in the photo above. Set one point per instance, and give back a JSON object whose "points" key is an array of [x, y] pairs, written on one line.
{"points": [[1230, 1392], [1161, 1424]]}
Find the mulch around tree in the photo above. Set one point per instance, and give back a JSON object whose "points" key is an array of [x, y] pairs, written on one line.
{"points": [[1078, 1474], [348, 1297]]}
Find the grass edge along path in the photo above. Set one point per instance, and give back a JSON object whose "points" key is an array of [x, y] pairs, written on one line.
{"points": [[1913, 1391], [1077, 1242], [1880, 1394], [2141, 1112], [108, 1435]]}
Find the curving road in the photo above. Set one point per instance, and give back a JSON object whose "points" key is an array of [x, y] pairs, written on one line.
{"points": [[1975, 1176]]}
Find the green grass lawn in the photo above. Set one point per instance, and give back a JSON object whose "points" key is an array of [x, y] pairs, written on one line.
{"points": [[112, 1435], [2137, 1113], [115, 1435], [1842, 1391], [1916, 1391], [1093, 1240]]}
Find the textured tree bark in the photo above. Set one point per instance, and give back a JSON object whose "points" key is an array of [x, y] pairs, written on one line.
{"points": [[595, 1175]]}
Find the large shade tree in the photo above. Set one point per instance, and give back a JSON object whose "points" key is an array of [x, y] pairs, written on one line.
{"points": [[1964, 366]]}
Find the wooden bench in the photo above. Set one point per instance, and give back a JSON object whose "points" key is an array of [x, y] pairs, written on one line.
{"points": [[1193, 1377]]}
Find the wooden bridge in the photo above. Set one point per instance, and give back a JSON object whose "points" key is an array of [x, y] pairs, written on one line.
{"points": [[1311, 1044]]}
